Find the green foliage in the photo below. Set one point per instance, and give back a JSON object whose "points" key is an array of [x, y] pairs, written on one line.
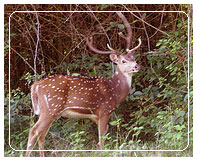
{"points": [[104, 6], [172, 131], [160, 102], [87, 66], [75, 134], [114, 24], [32, 78], [19, 123], [6, 46]]}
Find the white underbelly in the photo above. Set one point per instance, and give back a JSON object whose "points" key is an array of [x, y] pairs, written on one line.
{"points": [[68, 112]]}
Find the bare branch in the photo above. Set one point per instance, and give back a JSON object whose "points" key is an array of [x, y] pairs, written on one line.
{"points": [[38, 38], [145, 21], [23, 59], [100, 24]]}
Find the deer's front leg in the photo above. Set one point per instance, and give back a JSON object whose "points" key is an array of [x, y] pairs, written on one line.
{"points": [[102, 129]]}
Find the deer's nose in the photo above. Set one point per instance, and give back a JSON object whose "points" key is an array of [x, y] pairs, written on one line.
{"points": [[137, 67]]}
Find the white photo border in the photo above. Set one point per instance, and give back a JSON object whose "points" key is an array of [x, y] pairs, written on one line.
{"points": [[100, 150]]}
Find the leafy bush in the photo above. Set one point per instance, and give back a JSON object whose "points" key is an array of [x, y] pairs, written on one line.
{"points": [[87, 66], [19, 121], [160, 102]]}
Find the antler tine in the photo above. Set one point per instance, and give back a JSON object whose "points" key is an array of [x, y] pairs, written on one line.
{"points": [[115, 51], [90, 45], [139, 44], [110, 48], [129, 31]]}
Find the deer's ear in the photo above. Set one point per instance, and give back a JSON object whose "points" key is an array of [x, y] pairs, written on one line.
{"points": [[114, 58]]}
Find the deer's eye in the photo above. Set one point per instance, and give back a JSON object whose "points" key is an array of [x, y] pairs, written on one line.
{"points": [[123, 61]]}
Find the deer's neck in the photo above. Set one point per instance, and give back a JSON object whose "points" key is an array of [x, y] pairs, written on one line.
{"points": [[122, 84]]}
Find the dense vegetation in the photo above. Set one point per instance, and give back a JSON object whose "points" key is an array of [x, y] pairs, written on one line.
{"points": [[157, 114]]}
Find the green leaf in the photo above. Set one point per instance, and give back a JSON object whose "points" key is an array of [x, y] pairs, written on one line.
{"points": [[178, 136], [75, 74], [82, 132], [120, 26], [123, 145], [113, 123], [136, 134], [181, 113], [132, 90], [158, 44], [68, 72], [179, 128], [112, 24], [138, 93], [131, 142], [144, 15], [108, 28], [103, 6]]}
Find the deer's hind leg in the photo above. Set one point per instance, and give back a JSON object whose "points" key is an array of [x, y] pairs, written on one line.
{"points": [[38, 133]]}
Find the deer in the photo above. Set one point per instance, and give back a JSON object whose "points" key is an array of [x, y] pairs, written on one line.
{"points": [[94, 98]]}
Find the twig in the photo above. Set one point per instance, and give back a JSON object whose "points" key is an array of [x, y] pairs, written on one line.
{"points": [[24, 33], [23, 59], [146, 33], [145, 21], [156, 53], [99, 24], [72, 50], [71, 13], [38, 38], [160, 23]]}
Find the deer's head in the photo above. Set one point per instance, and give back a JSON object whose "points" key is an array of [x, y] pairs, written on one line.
{"points": [[125, 62]]}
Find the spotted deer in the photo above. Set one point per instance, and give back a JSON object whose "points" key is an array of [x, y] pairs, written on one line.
{"points": [[83, 97]]}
